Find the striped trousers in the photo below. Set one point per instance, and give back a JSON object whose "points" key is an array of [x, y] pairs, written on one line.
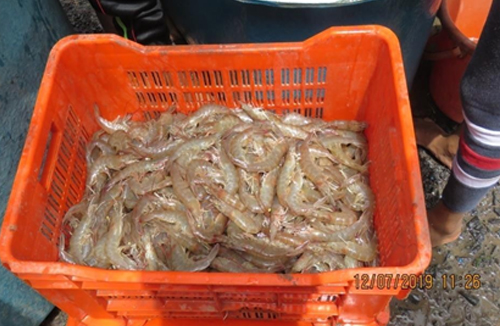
{"points": [[476, 168]]}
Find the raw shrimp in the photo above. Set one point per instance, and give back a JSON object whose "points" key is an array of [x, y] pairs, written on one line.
{"points": [[350, 125], [360, 195], [242, 146], [189, 241], [272, 160], [336, 149], [225, 123], [248, 191], [165, 121], [304, 262], [272, 265], [215, 228], [286, 175], [136, 168], [107, 199], [180, 261], [101, 145], [326, 186], [193, 146], [149, 183], [244, 219], [325, 226], [291, 130], [260, 247], [158, 149], [322, 154], [146, 133], [268, 189], [232, 255], [326, 261], [112, 249], [309, 192], [169, 201], [141, 206], [202, 113], [226, 197], [108, 162], [153, 262], [223, 264], [161, 246], [278, 213], [315, 262], [63, 254], [176, 222], [258, 114], [294, 198], [111, 126], [292, 240], [287, 130], [337, 218], [242, 115], [195, 212], [234, 145], [347, 172], [242, 190], [78, 209], [296, 119], [229, 170], [195, 167], [81, 239], [119, 141], [184, 193], [317, 210], [345, 138], [345, 234], [175, 217], [198, 168], [99, 254], [364, 253]]}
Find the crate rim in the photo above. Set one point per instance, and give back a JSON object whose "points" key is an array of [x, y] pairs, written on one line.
{"points": [[20, 267]]}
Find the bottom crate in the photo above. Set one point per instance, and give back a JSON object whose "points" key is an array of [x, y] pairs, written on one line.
{"points": [[383, 320], [246, 319]]}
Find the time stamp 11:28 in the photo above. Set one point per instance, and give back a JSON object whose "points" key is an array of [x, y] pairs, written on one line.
{"points": [[414, 281]]}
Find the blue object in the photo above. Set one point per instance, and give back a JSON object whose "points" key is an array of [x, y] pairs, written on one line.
{"points": [[28, 30], [250, 21]]}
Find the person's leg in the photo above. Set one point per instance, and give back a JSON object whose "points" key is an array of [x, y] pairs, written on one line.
{"points": [[476, 167], [444, 225], [431, 137], [142, 21]]}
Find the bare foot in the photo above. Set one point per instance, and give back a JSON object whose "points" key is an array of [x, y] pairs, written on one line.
{"points": [[444, 147], [445, 226]]}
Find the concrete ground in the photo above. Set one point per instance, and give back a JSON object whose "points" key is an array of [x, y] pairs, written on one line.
{"points": [[477, 251]]}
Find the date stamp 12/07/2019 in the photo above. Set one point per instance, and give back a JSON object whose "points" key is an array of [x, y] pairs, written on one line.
{"points": [[414, 281]]}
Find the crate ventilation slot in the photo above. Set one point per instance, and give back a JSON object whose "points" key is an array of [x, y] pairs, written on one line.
{"points": [[256, 314], [68, 174], [300, 90]]}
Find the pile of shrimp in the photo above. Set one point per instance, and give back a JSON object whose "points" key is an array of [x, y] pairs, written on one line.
{"points": [[242, 190]]}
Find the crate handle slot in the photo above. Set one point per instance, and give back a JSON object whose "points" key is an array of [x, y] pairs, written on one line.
{"points": [[49, 157]]}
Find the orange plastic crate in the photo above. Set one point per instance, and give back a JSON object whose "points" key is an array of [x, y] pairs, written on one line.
{"points": [[342, 73]]}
